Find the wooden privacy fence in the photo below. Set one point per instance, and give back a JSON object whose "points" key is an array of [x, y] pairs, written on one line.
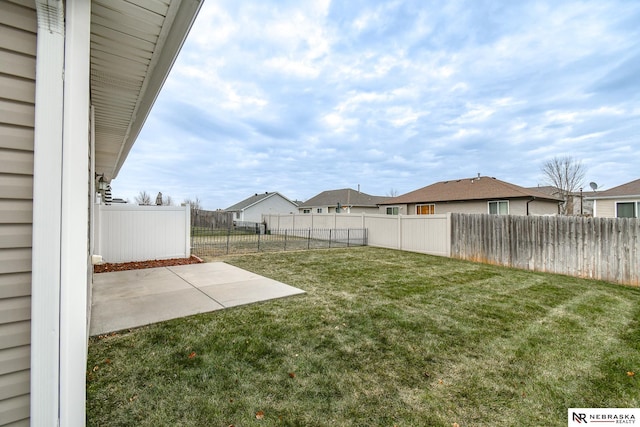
{"points": [[596, 248], [211, 219]]}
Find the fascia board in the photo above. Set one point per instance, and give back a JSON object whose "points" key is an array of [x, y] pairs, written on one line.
{"points": [[174, 38]]}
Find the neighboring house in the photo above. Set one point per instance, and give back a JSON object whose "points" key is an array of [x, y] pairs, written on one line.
{"points": [[78, 79], [578, 203], [252, 208], [481, 194], [622, 201], [345, 200]]}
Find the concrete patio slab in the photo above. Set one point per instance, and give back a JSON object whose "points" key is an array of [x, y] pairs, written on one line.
{"points": [[212, 273], [135, 283], [132, 311], [129, 299], [248, 291]]}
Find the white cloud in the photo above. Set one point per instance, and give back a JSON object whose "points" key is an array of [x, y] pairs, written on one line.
{"points": [[311, 96], [300, 69]]}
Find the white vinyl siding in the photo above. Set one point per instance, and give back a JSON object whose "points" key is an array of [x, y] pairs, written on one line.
{"points": [[612, 208], [274, 204], [17, 111]]}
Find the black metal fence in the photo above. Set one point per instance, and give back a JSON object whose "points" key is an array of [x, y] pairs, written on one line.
{"points": [[213, 242]]}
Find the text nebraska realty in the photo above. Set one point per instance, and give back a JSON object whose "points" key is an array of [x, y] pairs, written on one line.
{"points": [[605, 418]]}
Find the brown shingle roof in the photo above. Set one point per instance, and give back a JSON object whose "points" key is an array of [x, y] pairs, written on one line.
{"points": [[629, 189], [478, 188]]}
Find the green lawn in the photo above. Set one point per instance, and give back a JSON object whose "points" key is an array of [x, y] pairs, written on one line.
{"points": [[381, 338]]}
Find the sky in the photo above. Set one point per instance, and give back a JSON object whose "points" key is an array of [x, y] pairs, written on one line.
{"points": [[300, 97]]}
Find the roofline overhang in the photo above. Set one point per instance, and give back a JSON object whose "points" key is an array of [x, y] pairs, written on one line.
{"points": [[626, 196], [182, 16], [528, 197], [267, 196]]}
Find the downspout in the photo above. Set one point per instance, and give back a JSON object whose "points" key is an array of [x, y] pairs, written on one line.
{"points": [[529, 201], [74, 244], [47, 214]]}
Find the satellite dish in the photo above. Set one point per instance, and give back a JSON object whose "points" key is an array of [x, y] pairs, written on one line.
{"points": [[593, 186]]}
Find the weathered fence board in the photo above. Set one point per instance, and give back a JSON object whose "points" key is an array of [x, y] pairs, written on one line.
{"points": [[211, 219], [598, 248]]}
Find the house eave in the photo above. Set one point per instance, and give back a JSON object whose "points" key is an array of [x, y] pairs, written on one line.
{"points": [[121, 93], [619, 197], [480, 199]]}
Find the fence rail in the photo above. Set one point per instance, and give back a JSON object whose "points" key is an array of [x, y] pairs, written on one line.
{"points": [[215, 242]]}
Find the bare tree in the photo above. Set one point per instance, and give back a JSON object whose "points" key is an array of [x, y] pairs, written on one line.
{"points": [[143, 198], [566, 174], [195, 203], [167, 201], [194, 206], [392, 192]]}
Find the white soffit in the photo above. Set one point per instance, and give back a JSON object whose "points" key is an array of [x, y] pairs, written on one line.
{"points": [[133, 46]]}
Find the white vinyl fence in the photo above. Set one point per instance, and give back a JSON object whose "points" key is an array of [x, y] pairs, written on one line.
{"points": [[427, 234], [126, 233]]}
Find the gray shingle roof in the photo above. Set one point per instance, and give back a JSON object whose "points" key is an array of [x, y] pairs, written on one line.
{"points": [[553, 191], [344, 196], [252, 200]]}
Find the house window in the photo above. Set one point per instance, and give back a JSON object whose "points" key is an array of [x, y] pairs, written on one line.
{"points": [[429, 209], [627, 209], [393, 210], [306, 210], [319, 210], [499, 207]]}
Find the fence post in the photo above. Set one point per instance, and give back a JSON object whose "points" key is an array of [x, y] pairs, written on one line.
{"points": [[99, 226], [258, 242], [285, 240], [228, 236], [329, 238], [399, 232], [348, 229], [449, 240], [309, 240], [187, 230]]}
